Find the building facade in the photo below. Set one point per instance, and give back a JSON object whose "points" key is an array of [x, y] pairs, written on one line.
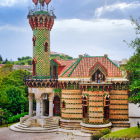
{"points": [[88, 93]]}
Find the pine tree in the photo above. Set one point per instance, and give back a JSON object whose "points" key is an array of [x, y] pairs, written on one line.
{"points": [[1, 58]]}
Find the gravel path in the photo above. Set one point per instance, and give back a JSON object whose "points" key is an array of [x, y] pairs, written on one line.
{"points": [[6, 134]]}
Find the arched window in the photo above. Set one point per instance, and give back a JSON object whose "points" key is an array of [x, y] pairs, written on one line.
{"points": [[34, 68], [33, 42], [85, 107], [98, 77], [46, 47], [106, 107], [63, 105]]}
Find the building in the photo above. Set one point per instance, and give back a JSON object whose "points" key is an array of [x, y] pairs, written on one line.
{"points": [[87, 93]]}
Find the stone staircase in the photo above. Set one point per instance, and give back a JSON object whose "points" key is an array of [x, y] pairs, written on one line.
{"points": [[50, 126]]}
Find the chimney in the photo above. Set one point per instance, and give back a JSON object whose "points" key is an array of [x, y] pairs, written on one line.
{"points": [[124, 61], [80, 56], [105, 55]]}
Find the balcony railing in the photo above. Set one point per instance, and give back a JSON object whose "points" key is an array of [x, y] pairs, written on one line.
{"points": [[41, 10], [40, 78]]}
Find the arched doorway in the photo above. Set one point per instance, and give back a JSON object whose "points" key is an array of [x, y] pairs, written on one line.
{"points": [[56, 109]]}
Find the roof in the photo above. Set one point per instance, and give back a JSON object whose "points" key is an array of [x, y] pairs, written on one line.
{"points": [[1, 65], [66, 63], [82, 66]]}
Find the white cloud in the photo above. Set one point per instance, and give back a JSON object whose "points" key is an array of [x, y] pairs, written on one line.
{"points": [[121, 6], [13, 28], [95, 37], [11, 2]]}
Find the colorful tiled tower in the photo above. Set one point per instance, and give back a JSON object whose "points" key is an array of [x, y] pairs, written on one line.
{"points": [[41, 22]]}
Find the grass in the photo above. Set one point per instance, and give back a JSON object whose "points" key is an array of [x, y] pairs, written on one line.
{"points": [[5, 125], [133, 132], [25, 61]]}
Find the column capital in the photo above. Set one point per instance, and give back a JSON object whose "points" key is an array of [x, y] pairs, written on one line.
{"points": [[50, 99], [38, 100], [31, 97]]}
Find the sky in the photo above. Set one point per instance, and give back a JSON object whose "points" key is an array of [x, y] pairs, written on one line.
{"points": [[94, 27]]}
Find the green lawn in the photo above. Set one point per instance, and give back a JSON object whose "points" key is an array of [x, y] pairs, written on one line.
{"points": [[25, 61], [133, 132], [5, 125]]}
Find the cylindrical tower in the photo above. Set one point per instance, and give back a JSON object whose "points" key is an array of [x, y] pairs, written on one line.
{"points": [[41, 22]]}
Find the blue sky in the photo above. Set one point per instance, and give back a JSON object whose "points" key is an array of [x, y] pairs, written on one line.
{"points": [[95, 27]]}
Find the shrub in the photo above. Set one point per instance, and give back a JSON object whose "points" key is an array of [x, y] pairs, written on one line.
{"points": [[105, 131], [96, 136], [16, 118], [100, 134]]}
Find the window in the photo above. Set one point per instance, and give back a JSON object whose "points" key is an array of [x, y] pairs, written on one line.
{"points": [[85, 107], [63, 105], [33, 42], [34, 68], [46, 47], [98, 77], [106, 107]]}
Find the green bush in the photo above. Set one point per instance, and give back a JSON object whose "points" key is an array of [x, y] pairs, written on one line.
{"points": [[96, 136], [105, 131], [16, 118], [100, 134]]}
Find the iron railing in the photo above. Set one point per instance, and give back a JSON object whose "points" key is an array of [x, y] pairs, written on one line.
{"points": [[37, 10], [40, 78]]}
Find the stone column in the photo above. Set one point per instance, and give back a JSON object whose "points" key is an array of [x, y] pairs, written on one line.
{"points": [[50, 106], [38, 108], [42, 103], [31, 97]]}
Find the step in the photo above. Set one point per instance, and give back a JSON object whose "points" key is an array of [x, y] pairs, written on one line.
{"points": [[51, 125], [24, 126], [51, 128], [49, 120]]}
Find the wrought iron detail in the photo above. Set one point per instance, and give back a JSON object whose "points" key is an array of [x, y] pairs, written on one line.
{"points": [[37, 10], [40, 78]]}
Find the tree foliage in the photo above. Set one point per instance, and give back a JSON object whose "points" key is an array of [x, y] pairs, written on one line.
{"points": [[1, 58], [133, 66], [13, 93]]}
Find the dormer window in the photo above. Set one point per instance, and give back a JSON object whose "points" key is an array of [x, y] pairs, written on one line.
{"points": [[98, 73]]}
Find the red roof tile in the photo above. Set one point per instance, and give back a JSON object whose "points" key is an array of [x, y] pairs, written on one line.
{"points": [[66, 63], [83, 67]]}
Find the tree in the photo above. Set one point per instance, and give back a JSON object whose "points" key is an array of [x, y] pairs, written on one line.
{"points": [[19, 59], [13, 92], [22, 63], [23, 58], [132, 69], [29, 62], [6, 60], [1, 58]]}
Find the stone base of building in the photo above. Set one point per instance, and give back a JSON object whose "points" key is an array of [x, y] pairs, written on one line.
{"points": [[121, 124], [70, 124], [86, 128]]}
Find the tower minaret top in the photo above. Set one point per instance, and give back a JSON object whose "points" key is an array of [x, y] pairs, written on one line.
{"points": [[39, 10], [41, 21]]}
